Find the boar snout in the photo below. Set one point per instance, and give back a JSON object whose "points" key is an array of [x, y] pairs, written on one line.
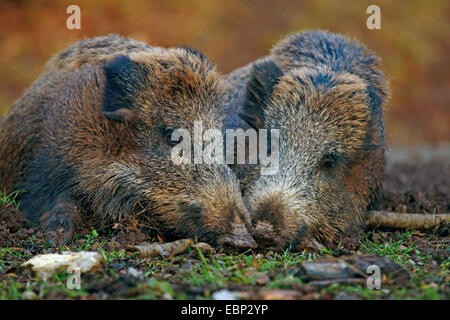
{"points": [[265, 236], [238, 240]]}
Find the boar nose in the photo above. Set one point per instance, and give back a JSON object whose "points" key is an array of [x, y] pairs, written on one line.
{"points": [[266, 237], [238, 240]]}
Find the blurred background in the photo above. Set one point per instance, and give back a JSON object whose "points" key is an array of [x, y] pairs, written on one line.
{"points": [[414, 43]]}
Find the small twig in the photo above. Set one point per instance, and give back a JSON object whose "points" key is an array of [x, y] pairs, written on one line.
{"points": [[164, 249], [410, 221]]}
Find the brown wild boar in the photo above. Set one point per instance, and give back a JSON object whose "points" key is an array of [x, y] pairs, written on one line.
{"points": [[93, 136], [325, 94]]}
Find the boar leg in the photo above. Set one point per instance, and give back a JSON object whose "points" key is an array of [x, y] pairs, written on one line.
{"points": [[60, 223]]}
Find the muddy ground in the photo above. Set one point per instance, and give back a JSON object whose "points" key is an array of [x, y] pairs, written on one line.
{"points": [[414, 264]]}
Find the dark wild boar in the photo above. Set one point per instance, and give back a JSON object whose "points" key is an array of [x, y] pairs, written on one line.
{"points": [[92, 137], [325, 94]]}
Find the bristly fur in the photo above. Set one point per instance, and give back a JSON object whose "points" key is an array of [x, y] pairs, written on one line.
{"points": [[89, 138], [325, 94], [265, 75], [338, 53]]}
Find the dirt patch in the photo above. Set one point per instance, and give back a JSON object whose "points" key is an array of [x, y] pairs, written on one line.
{"points": [[417, 188], [13, 226], [411, 185], [12, 219], [417, 180]]}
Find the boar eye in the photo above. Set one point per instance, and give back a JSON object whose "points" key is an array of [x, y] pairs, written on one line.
{"points": [[167, 134], [329, 161]]}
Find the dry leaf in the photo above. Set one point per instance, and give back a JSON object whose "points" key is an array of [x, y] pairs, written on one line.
{"points": [[164, 249], [205, 248], [46, 264]]}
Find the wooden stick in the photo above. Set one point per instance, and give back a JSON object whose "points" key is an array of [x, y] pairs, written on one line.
{"points": [[410, 221]]}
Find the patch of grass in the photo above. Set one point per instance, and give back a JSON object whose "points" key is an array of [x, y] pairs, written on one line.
{"points": [[393, 249], [154, 289], [422, 293], [419, 292], [89, 240], [354, 291], [11, 254], [10, 289], [426, 274], [113, 255], [13, 290], [221, 270], [10, 199], [193, 275]]}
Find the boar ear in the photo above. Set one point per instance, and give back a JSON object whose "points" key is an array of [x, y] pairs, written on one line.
{"points": [[124, 78], [265, 75]]}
